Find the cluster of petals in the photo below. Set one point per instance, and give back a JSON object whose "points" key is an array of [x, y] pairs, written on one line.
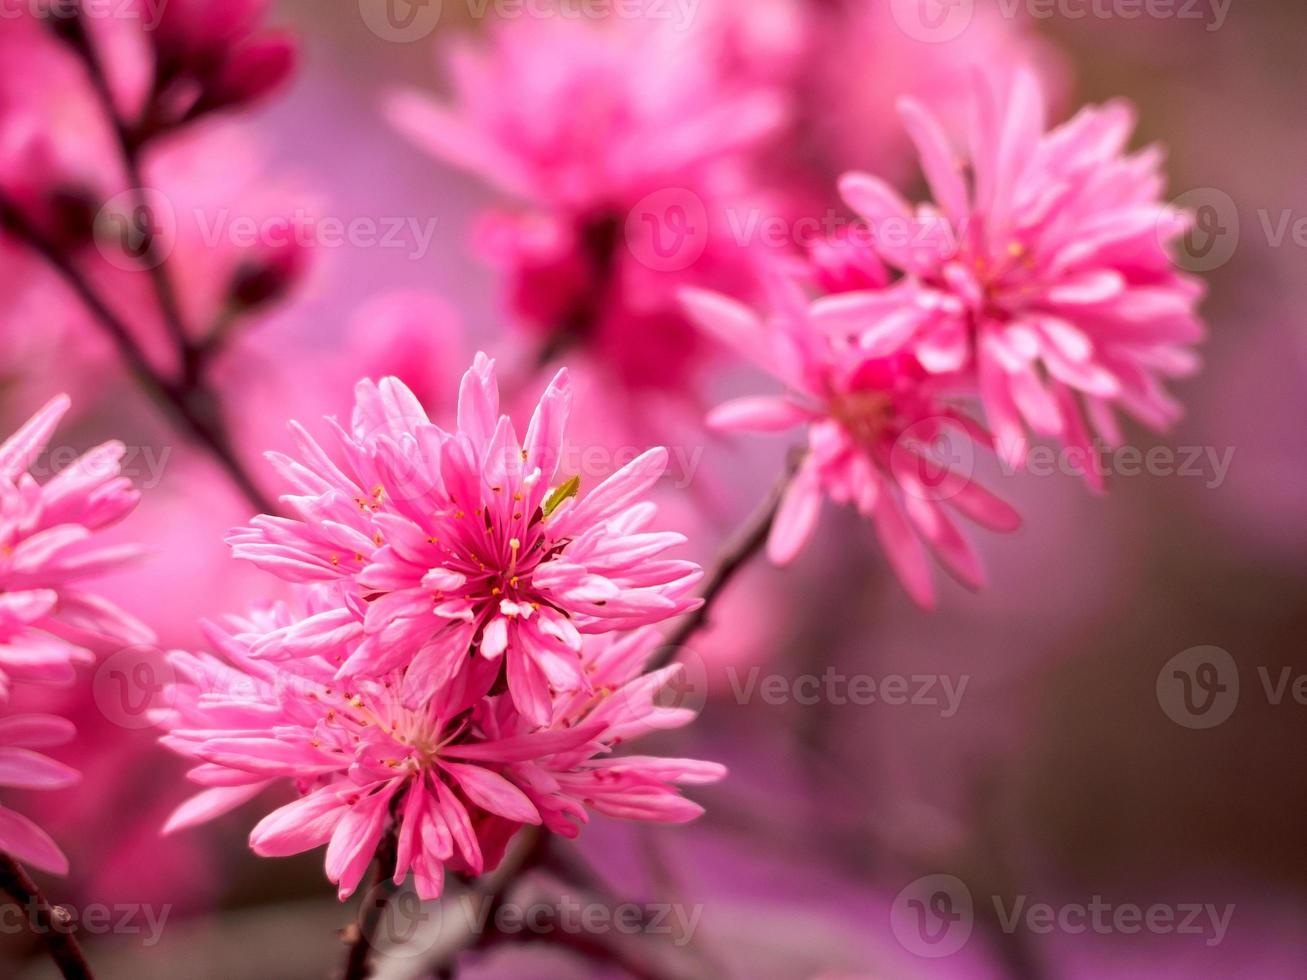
{"points": [[875, 423], [465, 554], [49, 623], [1044, 269], [455, 774], [579, 122], [48, 549]]}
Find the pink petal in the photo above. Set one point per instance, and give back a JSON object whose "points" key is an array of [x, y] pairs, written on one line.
{"points": [[796, 517], [757, 414]]}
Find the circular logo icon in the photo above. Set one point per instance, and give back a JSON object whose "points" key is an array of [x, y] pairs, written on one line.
{"points": [[1199, 688], [933, 459], [933, 916], [668, 230], [136, 229], [1213, 234], [401, 21], [132, 684], [685, 688], [933, 21], [407, 926]]}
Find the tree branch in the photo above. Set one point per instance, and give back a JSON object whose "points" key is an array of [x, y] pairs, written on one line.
{"points": [[51, 924], [184, 403], [738, 552], [358, 961]]}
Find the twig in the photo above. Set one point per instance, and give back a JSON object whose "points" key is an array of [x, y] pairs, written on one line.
{"points": [[193, 406], [358, 962], [737, 553], [51, 924], [129, 146], [182, 402]]}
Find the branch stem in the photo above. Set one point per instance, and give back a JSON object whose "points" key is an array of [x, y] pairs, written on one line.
{"points": [[358, 960], [50, 923], [744, 546]]}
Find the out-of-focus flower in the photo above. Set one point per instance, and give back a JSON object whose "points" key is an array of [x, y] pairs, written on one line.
{"points": [[456, 775], [626, 142], [23, 768], [412, 335], [873, 418], [214, 56], [462, 553], [49, 545], [1047, 274], [867, 56]]}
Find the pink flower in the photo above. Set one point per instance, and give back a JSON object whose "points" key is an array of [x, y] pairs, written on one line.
{"points": [[466, 552], [873, 417], [213, 56], [456, 775], [1046, 274], [23, 768], [49, 546], [623, 144], [866, 57]]}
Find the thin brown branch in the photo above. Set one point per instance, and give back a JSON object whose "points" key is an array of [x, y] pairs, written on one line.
{"points": [[747, 543], [190, 407], [48, 922], [130, 147], [362, 935]]}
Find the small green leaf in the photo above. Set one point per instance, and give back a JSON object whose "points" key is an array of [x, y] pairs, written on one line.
{"points": [[560, 493]]}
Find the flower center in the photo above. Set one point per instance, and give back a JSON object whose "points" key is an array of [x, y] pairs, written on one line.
{"points": [[864, 415]]}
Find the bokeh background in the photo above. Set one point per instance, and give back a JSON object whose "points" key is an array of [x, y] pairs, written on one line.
{"points": [[1063, 773]]}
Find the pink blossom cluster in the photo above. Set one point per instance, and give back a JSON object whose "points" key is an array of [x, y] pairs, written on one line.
{"points": [[578, 122], [50, 623], [468, 650], [1040, 283]]}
